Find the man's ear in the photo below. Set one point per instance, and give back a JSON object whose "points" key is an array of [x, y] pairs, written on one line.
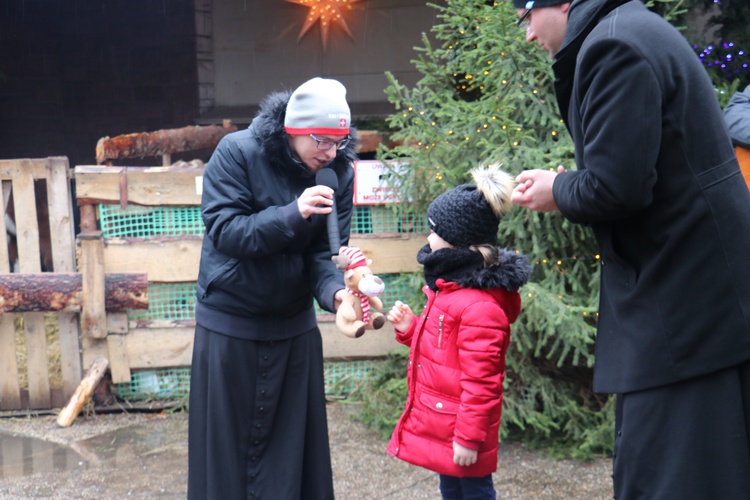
{"points": [[565, 6]]}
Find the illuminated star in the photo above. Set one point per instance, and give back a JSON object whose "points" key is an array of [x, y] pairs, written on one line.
{"points": [[328, 12]]}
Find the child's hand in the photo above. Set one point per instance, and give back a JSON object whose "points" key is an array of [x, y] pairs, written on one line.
{"points": [[463, 456], [400, 316]]}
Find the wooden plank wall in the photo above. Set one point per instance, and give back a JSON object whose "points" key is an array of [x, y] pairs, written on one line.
{"points": [[18, 179], [166, 344]]}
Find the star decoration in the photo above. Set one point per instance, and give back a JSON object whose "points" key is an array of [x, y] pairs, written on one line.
{"points": [[327, 12]]}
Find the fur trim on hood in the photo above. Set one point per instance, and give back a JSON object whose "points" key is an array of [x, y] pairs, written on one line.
{"points": [[466, 268], [512, 272], [268, 128]]}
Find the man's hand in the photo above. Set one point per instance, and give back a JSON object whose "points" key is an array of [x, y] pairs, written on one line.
{"points": [[338, 298], [534, 190], [463, 456], [315, 200]]}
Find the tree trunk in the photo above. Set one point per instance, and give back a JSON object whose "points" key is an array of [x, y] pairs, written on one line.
{"points": [[161, 142], [44, 292]]}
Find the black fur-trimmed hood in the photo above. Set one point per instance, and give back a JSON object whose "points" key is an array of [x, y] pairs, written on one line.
{"points": [[511, 273], [268, 128], [466, 268]]}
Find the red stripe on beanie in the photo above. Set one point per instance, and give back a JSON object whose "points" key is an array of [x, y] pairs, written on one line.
{"points": [[322, 131], [355, 255], [318, 106]]}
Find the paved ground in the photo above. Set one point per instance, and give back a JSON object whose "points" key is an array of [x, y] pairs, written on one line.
{"points": [[120, 456]]}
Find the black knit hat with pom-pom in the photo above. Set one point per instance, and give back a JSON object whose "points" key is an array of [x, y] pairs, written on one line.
{"points": [[470, 213], [462, 217]]}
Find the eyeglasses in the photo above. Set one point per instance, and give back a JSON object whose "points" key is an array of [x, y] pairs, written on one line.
{"points": [[523, 21], [327, 144]]}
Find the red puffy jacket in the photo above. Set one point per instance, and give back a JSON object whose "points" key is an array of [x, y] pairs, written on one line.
{"points": [[455, 378]]}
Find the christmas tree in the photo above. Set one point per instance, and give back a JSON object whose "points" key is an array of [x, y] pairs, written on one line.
{"points": [[485, 96]]}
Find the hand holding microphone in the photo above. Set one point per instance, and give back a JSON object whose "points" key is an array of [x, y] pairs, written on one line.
{"points": [[327, 177], [314, 200]]}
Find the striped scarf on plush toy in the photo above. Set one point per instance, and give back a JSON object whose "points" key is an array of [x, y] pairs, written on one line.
{"points": [[358, 259], [365, 303]]}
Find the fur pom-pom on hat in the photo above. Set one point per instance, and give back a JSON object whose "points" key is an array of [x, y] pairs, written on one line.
{"points": [[470, 214], [318, 106]]}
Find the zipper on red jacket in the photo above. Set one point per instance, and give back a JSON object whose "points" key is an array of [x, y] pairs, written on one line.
{"points": [[413, 366], [440, 329]]}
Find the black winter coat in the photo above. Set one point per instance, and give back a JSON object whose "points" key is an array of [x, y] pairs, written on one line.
{"points": [[261, 261], [658, 182]]}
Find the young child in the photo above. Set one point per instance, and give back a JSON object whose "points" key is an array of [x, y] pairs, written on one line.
{"points": [[458, 345]]}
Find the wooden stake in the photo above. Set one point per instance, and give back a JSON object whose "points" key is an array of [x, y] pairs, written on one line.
{"points": [[83, 393], [94, 310]]}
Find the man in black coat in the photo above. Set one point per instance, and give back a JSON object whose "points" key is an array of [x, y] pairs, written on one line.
{"points": [[658, 182], [258, 424]]}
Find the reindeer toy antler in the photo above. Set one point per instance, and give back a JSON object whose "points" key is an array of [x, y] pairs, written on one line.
{"points": [[359, 309]]}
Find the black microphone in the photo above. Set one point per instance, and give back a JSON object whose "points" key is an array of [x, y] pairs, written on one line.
{"points": [[327, 177]]}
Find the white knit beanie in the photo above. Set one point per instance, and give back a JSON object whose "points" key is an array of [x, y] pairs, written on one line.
{"points": [[318, 106]]}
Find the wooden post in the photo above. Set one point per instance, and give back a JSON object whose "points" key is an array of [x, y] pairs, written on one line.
{"points": [[29, 261], [62, 240], [36, 360], [83, 393], [88, 218], [93, 313], [24, 204], [118, 353], [10, 390], [119, 365]]}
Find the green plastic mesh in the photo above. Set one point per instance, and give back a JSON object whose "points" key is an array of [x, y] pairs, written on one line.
{"points": [[176, 301], [167, 301], [173, 383], [341, 377], [142, 222], [369, 219]]}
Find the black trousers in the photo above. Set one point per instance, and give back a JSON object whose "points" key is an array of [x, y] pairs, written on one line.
{"points": [[689, 440], [467, 488], [257, 419]]}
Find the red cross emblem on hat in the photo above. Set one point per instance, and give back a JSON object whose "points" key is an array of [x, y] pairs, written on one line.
{"points": [[342, 123]]}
